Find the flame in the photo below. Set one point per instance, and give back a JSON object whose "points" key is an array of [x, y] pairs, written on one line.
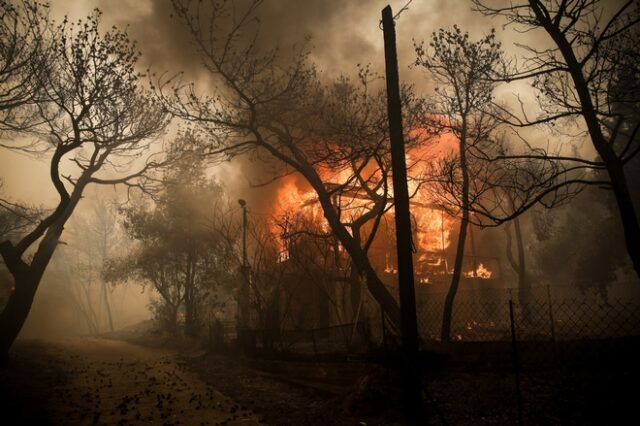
{"points": [[432, 225], [293, 204], [297, 201], [481, 272], [388, 268], [433, 229], [293, 200]]}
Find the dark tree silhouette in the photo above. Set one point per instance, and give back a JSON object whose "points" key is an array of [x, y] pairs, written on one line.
{"points": [[266, 104], [519, 264], [462, 107], [590, 77], [94, 117], [175, 253]]}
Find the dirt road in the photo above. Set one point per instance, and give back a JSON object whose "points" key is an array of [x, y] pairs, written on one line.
{"points": [[118, 383]]}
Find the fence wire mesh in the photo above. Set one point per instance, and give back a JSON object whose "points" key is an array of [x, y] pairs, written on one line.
{"points": [[545, 356], [569, 359], [540, 316]]}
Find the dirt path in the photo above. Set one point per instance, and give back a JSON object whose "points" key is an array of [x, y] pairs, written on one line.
{"points": [[118, 383]]}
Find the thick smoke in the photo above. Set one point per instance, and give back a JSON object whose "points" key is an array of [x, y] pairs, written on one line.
{"points": [[343, 35]]}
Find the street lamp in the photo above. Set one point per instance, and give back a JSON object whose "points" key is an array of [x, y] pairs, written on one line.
{"points": [[243, 294], [243, 205]]}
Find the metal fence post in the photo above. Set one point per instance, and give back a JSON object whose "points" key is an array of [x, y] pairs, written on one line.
{"points": [[516, 366]]}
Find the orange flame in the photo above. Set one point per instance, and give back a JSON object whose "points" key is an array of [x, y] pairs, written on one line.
{"points": [[432, 227], [481, 272]]}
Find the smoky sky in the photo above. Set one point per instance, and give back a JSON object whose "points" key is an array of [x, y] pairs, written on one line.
{"points": [[344, 33]]}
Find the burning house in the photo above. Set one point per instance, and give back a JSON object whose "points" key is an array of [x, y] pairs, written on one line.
{"points": [[319, 287]]}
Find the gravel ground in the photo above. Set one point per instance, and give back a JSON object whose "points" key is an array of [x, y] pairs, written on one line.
{"points": [[106, 381], [91, 381], [285, 402]]}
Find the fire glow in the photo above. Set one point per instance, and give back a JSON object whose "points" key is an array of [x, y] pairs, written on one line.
{"points": [[480, 272], [298, 203]]}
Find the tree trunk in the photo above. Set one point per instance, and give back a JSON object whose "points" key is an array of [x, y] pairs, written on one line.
{"points": [[107, 305], [172, 319], [190, 327], [628, 214], [27, 278], [614, 165], [105, 293], [519, 267], [354, 279], [81, 312], [379, 291], [447, 313], [360, 259], [358, 255], [524, 285], [84, 304], [356, 291], [273, 321], [192, 292], [16, 311]]}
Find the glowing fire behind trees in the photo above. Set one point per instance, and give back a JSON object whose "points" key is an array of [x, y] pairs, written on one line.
{"points": [[297, 206]]}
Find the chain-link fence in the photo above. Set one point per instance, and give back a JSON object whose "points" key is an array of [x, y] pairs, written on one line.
{"points": [[540, 315], [547, 356], [544, 356]]}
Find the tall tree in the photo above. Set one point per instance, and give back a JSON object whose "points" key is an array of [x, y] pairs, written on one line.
{"points": [[462, 108], [94, 118], [267, 104], [594, 47], [176, 253]]}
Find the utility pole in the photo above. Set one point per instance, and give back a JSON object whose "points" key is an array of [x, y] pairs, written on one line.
{"points": [[243, 291], [408, 323]]}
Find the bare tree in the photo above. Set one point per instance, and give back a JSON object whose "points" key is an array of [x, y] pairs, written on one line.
{"points": [[462, 107], [92, 238], [589, 77], [265, 104], [95, 118]]}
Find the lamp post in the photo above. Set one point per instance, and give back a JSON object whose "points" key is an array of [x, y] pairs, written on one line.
{"points": [[243, 293], [243, 205]]}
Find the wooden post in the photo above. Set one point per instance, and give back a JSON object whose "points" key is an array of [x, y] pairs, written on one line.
{"points": [[408, 322]]}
